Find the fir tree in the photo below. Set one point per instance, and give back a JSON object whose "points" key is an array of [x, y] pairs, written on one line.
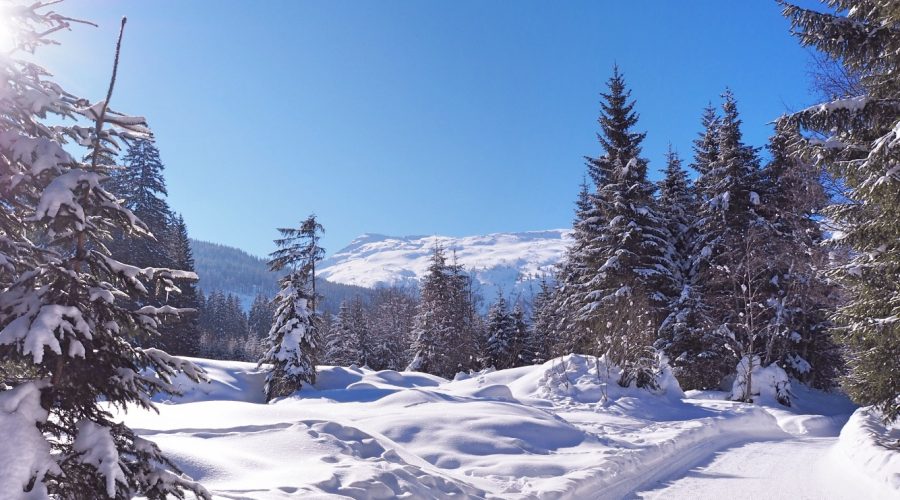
{"points": [[734, 246], [628, 256], [520, 336], [182, 337], [800, 339], [392, 314], [446, 329], [501, 331], [65, 317], [294, 342], [539, 342], [857, 139], [684, 335]]}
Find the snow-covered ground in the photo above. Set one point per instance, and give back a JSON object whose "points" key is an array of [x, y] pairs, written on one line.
{"points": [[510, 261], [557, 430]]}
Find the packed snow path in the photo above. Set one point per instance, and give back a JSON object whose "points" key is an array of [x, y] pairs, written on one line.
{"points": [[797, 468], [561, 430]]}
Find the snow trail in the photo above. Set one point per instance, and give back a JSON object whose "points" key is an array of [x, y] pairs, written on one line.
{"points": [[796, 468]]}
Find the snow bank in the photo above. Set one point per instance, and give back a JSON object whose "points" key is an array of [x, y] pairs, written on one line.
{"points": [[227, 381], [872, 446], [564, 429]]}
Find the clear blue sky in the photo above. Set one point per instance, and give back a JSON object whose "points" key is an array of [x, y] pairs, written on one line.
{"points": [[414, 117]]}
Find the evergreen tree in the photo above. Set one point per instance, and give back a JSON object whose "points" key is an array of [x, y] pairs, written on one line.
{"points": [[182, 337], [141, 186], [446, 330], [262, 312], [628, 255], [684, 335], [392, 315], [861, 147], [800, 339], [294, 342], [66, 324], [539, 342], [501, 331], [520, 336], [735, 244], [349, 340]]}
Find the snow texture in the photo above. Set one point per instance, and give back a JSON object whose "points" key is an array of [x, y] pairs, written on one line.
{"points": [[563, 429]]}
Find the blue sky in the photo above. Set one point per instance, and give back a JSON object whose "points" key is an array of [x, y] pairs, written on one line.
{"points": [[414, 117]]}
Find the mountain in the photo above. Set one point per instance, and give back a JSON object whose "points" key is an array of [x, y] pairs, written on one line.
{"points": [[232, 270], [511, 262]]}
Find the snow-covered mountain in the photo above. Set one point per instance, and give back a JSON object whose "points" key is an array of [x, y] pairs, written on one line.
{"points": [[512, 262]]}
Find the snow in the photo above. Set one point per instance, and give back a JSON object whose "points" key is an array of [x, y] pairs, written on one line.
{"points": [[872, 447], [510, 261], [25, 453], [563, 429], [96, 446]]}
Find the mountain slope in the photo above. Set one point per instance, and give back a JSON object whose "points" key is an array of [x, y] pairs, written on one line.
{"points": [[511, 262], [232, 270]]}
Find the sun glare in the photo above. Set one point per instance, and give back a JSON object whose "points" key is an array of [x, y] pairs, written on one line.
{"points": [[7, 40]]}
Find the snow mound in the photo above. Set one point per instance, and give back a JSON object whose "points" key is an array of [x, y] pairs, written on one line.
{"points": [[873, 446], [563, 429], [228, 381]]}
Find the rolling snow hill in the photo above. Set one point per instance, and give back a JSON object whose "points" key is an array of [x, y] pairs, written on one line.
{"points": [[512, 262], [561, 430]]}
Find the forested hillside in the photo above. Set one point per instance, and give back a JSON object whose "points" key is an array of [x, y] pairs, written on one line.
{"points": [[233, 271]]}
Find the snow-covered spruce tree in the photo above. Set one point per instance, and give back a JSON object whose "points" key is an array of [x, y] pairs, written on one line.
{"points": [[446, 324], [182, 336], [500, 348], [563, 304], [349, 339], [683, 334], [539, 346], [337, 336], [706, 151], [858, 139], [628, 255], [735, 246], [800, 339], [294, 342], [520, 335], [259, 322], [141, 186], [65, 323], [392, 315]]}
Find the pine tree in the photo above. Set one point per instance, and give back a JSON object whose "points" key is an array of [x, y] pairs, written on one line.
{"points": [[66, 325], [520, 336], [392, 315], [349, 341], [628, 257], [800, 339], [446, 323], [140, 184], [500, 349], [684, 334], [294, 342], [259, 322], [861, 147], [735, 244], [539, 344], [182, 337], [566, 298]]}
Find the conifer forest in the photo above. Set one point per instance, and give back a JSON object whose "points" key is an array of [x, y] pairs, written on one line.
{"points": [[717, 319]]}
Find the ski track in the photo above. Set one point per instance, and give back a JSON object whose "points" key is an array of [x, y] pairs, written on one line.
{"points": [[797, 468]]}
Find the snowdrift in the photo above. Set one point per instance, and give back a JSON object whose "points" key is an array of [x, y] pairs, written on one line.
{"points": [[873, 446], [563, 429]]}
